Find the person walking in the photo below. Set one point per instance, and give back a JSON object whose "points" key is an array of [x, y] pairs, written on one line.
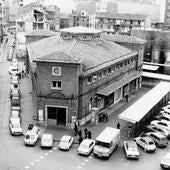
{"points": [[80, 139], [80, 132], [75, 129], [85, 133], [89, 134], [118, 125]]}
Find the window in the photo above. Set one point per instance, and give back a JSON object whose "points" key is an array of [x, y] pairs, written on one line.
{"points": [[100, 75], [104, 73], [77, 24], [125, 63], [94, 78], [117, 66], [128, 61], [56, 85], [131, 60], [113, 69], [89, 80], [121, 65], [109, 71], [77, 19]]}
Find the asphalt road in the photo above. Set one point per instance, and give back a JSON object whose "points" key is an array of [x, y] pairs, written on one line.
{"points": [[15, 156]]}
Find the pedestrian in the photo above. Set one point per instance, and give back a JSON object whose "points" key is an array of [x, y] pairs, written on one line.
{"points": [[80, 132], [118, 125], [80, 139], [126, 97], [22, 73], [89, 134], [19, 75], [85, 133], [75, 129]]}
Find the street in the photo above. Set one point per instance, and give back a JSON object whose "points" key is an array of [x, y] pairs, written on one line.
{"points": [[15, 156]]}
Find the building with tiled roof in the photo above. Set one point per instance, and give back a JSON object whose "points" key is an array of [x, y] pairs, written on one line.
{"points": [[76, 72], [112, 23]]}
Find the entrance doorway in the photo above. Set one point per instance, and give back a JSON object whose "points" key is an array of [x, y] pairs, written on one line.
{"points": [[56, 115]]}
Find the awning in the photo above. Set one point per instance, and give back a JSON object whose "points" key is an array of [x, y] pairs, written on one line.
{"points": [[116, 85]]}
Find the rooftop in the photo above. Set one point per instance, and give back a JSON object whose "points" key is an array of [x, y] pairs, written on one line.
{"points": [[41, 32], [122, 38], [122, 16], [92, 54], [80, 30]]}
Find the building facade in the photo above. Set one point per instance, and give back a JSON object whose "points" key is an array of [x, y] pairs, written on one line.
{"points": [[167, 14], [82, 72], [123, 23], [30, 20]]}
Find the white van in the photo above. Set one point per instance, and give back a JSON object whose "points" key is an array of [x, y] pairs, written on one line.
{"points": [[106, 142]]}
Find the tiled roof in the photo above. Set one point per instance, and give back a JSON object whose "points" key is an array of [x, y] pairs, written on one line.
{"points": [[122, 38], [41, 32], [122, 16], [91, 54], [80, 30]]}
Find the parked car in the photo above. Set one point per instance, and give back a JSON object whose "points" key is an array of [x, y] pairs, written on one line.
{"points": [[14, 87], [31, 136], [66, 142], [13, 69], [165, 162], [14, 93], [15, 62], [86, 147], [15, 114], [146, 143], [159, 139], [131, 149], [163, 116], [161, 123], [15, 126], [153, 128], [14, 79], [166, 110], [47, 140]]}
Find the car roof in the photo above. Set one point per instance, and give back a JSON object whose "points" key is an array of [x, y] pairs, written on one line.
{"points": [[158, 134], [165, 121], [15, 119], [87, 141], [147, 139], [131, 143], [66, 137], [46, 135]]}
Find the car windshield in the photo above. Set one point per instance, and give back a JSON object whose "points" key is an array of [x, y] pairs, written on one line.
{"points": [[17, 125], [103, 144], [151, 143]]}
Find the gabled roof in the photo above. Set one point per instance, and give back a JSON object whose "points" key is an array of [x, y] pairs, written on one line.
{"points": [[41, 32], [92, 54], [122, 38], [121, 16]]}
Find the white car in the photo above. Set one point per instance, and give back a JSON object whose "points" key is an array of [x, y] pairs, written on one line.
{"points": [[146, 143], [161, 123], [15, 87], [66, 142], [131, 149], [14, 62], [14, 80], [167, 110], [86, 147], [13, 70], [15, 126], [31, 136], [15, 114], [47, 140], [165, 162], [14, 93]]}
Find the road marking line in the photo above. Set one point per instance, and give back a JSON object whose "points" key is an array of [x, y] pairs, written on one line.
{"points": [[42, 157], [55, 148], [50, 150], [83, 163], [79, 167], [46, 154], [37, 160], [32, 163], [86, 160], [26, 167]]}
